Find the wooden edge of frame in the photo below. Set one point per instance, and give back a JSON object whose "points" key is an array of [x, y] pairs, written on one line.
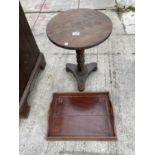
{"points": [[40, 64]]}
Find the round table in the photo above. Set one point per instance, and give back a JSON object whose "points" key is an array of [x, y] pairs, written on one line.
{"points": [[79, 29]]}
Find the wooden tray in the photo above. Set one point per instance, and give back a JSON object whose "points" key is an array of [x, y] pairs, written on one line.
{"points": [[81, 116]]}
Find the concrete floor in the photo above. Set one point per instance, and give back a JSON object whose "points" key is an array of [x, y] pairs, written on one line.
{"points": [[116, 64]]}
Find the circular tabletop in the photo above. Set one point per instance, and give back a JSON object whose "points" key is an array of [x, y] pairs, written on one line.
{"points": [[79, 29]]}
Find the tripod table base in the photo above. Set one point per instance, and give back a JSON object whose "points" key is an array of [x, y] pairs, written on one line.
{"points": [[81, 76]]}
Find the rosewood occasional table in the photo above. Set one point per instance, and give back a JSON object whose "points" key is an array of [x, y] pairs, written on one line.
{"points": [[79, 29]]}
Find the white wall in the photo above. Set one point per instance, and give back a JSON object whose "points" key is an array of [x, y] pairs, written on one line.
{"points": [[125, 3]]}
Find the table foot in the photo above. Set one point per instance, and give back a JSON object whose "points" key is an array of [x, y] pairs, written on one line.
{"points": [[81, 76]]}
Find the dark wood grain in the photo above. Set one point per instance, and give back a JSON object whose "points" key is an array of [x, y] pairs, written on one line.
{"points": [[81, 116], [94, 28]]}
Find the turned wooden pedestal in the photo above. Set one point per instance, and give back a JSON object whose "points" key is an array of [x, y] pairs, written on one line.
{"points": [[81, 71]]}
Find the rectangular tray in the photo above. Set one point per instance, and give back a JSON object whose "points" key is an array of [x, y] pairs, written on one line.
{"points": [[81, 116]]}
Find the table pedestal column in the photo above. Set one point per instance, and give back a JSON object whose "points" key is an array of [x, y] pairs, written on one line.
{"points": [[81, 71]]}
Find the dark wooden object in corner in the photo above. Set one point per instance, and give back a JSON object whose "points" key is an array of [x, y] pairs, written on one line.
{"points": [[30, 62]]}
